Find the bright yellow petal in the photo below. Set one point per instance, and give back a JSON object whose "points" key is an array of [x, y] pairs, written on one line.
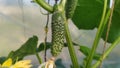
{"points": [[22, 64], [7, 63]]}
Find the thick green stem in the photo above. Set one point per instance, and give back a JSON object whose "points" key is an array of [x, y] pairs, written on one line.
{"points": [[107, 52], [39, 59], [44, 5], [70, 47], [97, 38], [68, 38]]}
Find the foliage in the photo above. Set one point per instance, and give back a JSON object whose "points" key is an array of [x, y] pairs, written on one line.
{"points": [[88, 15], [28, 48]]}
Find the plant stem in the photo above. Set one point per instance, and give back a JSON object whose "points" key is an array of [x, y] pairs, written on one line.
{"points": [[44, 5], [107, 52], [70, 47], [107, 32], [98, 35], [38, 57], [68, 37]]}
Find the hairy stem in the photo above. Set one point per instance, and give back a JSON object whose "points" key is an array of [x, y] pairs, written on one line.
{"points": [[97, 38], [70, 47]]}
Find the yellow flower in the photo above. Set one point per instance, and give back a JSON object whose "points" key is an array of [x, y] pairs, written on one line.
{"points": [[22, 64], [19, 64]]}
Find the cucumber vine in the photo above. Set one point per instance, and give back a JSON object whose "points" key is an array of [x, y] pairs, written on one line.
{"points": [[60, 14]]}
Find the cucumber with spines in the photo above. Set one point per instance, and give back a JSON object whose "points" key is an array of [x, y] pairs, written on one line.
{"points": [[58, 33], [70, 8]]}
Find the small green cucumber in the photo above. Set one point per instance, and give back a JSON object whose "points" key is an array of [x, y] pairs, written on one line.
{"points": [[70, 8], [58, 32]]}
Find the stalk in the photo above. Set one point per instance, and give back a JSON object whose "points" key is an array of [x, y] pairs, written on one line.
{"points": [[70, 47], [38, 57], [69, 41], [97, 38], [44, 5]]}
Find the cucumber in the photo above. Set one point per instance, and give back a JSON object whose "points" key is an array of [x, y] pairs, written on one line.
{"points": [[70, 8], [58, 32]]}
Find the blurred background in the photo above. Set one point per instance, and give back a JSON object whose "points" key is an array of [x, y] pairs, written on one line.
{"points": [[21, 19]]}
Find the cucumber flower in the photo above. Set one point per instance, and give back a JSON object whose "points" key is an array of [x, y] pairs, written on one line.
{"points": [[18, 64], [22, 64]]}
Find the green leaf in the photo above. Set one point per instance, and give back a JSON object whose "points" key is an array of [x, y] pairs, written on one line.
{"points": [[88, 14], [42, 46], [85, 50], [27, 48]]}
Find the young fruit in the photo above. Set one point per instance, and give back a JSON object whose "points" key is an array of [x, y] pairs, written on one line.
{"points": [[58, 33], [70, 8]]}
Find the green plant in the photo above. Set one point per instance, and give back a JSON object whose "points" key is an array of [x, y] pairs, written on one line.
{"points": [[103, 16], [85, 14]]}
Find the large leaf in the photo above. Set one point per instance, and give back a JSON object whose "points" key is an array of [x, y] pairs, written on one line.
{"points": [[26, 49], [88, 14]]}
